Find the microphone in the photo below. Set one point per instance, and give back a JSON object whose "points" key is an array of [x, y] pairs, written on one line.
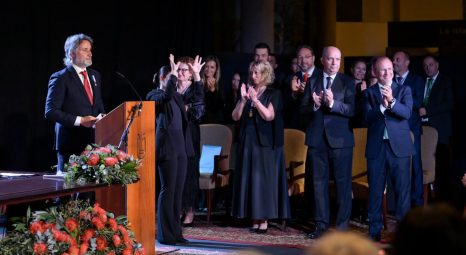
{"points": [[139, 106]]}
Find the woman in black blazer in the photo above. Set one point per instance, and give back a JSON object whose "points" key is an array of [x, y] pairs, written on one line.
{"points": [[173, 147]]}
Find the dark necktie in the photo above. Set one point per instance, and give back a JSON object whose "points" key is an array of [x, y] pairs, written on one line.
{"points": [[87, 87], [399, 80], [329, 82], [430, 82]]}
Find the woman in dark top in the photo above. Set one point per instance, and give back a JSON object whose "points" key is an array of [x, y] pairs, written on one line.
{"points": [[256, 188], [358, 71], [214, 101], [173, 146], [191, 89]]}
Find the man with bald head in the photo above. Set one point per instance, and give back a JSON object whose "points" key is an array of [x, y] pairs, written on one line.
{"points": [[404, 77], [328, 104], [387, 109]]}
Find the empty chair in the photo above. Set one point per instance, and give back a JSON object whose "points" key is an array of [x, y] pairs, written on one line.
{"points": [[429, 139], [295, 159], [216, 135]]}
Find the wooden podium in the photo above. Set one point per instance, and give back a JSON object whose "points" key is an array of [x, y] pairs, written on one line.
{"points": [[139, 197]]}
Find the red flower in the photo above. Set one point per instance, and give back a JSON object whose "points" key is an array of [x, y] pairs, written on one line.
{"points": [[113, 224], [40, 248], [103, 150], [121, 155], [97, 223], [59, 236], [127, 251], [111, 253], [37, 226], [116, 240], [83, 248], [88, 234], [110, 161], [93, 160], [101, 243], [71, 224], [73, 250], [84, 215], [64, 253]]}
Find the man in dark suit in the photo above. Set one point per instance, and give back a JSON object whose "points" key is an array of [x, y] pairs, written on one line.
{"points": [[328, 103], [404, 77], [293, 92], [387, 108], [436, 111], [74, 100]]}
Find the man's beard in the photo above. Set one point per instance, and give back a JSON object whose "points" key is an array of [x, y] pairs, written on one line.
{"points": [[87, 63]]}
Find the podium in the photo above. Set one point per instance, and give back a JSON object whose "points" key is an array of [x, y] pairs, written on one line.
{"points": [[139, 198]]}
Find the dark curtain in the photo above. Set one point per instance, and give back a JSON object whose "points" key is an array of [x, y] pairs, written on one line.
{"points": [[132, 37]]}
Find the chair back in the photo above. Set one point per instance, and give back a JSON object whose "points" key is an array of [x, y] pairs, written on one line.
{"points": [[429, 139], [359, 167], [220, 135], [295, 151]]}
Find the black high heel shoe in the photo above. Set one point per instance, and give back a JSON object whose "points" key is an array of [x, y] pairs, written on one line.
{"points": [[253, 230], [261, 231], [188, 225]]}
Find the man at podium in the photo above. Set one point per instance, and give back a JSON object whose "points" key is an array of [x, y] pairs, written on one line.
{"points": [[74, 100]]}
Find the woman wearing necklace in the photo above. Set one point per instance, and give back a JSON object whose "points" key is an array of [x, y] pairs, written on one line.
{"points": [[191, 88], [256, 184]]}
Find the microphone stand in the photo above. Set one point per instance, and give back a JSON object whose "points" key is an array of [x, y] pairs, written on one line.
{"points": [[124, 136], [134, 109]]}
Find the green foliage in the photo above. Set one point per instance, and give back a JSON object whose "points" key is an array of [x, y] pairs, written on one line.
{"points": [[102, 165]]}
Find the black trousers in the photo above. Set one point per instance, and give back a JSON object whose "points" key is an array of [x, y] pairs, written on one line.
{"points": [[172, 175]]}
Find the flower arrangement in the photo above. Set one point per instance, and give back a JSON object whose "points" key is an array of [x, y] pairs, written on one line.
{"points": [[71, 229], [102, 165]]}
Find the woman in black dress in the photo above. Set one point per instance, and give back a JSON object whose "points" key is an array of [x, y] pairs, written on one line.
{"points": [[191, 89], [214, 101], [173, 146], [256, 192]]}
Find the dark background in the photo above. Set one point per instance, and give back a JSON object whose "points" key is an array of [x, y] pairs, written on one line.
{"points": [[134, 38]]}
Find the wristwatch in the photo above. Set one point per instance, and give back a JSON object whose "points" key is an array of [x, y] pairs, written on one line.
{"points": [[389, 106]]}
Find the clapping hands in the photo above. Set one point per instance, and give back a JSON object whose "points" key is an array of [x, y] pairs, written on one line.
{"points": [[244, 93]]}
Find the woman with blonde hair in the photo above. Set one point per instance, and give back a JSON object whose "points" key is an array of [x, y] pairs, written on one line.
{"points": [[256, 187]]}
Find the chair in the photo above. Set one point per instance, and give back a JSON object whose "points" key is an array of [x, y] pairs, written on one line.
{"points": [[295, 160], [360, 183], [429, 139], [219, 135]]}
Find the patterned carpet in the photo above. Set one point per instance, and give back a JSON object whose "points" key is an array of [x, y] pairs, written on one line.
{"points": [[230, 236]]}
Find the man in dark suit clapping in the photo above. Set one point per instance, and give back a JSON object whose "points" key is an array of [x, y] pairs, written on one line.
{"points": [[74, 100], [328, 104], [387, 109]]}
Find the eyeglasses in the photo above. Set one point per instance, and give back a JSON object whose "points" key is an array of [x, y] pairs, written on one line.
{"points": [[183, 70]]}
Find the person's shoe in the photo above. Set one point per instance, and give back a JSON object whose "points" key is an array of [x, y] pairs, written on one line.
{"points": [[182, 240], [253, 230], [261, 231], [167, 242], [188, 225], [316, 234]]}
